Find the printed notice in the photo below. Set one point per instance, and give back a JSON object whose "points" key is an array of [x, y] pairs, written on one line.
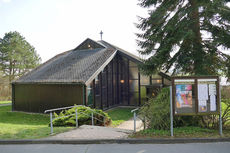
{"points": [[212, 103], [202, 92], [212, 89]]}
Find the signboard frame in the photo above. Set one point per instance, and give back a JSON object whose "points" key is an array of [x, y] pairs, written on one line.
{"points": [[196, 80]]}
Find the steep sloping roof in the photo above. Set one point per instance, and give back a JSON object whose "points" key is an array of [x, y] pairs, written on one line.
{"points": [[75, 66], [80, 65]]}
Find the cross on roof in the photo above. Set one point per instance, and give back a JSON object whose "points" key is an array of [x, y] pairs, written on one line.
{"points": [[101, 33]]}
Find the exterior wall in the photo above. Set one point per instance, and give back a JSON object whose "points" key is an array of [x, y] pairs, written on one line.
{"points": [[120, 83], [40, 97]]}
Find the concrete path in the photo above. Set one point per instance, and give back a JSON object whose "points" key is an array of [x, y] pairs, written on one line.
{"points": [[99, 132], [93, 132], [129, 125]]}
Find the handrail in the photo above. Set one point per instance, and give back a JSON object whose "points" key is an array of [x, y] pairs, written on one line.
{"points": [[62, 108], [134, 118], [53, 110], [134, 110]]}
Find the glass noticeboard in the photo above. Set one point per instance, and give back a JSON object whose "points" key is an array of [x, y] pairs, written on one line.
{"points": [[207, 95], [195, 95]]}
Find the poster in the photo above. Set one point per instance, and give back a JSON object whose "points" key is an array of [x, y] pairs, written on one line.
{"points": [[184, 96], [202, 106]]}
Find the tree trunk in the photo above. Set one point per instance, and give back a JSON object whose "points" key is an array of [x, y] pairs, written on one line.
{"points": [[197, 40]]}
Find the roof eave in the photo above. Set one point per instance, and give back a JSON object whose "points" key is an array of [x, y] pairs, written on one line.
{"points": [[75, 83], [100, 69]]}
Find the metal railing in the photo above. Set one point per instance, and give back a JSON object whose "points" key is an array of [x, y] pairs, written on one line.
{"points": [[76, 113], [134, 111]]}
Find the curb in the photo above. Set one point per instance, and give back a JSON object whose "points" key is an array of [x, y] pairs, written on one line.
{"points": [[117, 141]]}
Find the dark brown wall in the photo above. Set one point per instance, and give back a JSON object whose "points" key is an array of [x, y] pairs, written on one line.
{"points": [[38, 98]]}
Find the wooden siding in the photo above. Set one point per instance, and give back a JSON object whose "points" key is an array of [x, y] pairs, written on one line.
{"points": [[38, 98]]}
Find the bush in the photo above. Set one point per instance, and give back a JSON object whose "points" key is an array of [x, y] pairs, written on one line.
{"points": [[84, 117], [157, 113], [212, 121]]}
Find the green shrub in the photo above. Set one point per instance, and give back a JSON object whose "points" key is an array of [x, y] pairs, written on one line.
{"points": [[157, 113], [84, 117], [212, 121]]}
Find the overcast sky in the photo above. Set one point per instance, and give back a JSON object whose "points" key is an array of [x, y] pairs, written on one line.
{"points": [[54, 26]]}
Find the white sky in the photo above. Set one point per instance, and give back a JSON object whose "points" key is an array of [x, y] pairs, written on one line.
{"points": [[54, 26]]}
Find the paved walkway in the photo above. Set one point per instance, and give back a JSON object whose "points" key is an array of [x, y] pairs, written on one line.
{"points": [[99, 132], [93, 132], [129, 125]]}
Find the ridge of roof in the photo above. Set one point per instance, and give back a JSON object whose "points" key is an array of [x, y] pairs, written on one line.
{"points": [[120, 50], [89, 41]]}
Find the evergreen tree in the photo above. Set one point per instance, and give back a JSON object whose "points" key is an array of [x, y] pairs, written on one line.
{"points": [[17, 56], [186, 36]]}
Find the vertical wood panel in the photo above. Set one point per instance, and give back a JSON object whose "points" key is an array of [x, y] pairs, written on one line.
{"points": [[38, 98]]}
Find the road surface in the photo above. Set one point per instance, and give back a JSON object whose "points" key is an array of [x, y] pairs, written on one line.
{"points": [[221, 147]]}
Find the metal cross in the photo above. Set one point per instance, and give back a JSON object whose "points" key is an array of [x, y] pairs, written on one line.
{"points": [[101, 33]]}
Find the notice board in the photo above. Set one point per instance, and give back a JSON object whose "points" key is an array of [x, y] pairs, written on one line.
{"points": [[193, 95]]}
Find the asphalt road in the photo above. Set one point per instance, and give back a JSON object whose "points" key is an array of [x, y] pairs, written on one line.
{"points": [[221, 147]]}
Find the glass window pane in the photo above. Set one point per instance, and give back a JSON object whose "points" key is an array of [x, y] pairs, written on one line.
{"points": [[133, 98], [133, 85], [156, 76], [132, 63], [157, 81], [143, 95], [89, 95], [144, 80], [133, 73]]}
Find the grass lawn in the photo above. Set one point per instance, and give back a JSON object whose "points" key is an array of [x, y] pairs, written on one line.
{"points": [[19, 125], [182, 132], [119, 115], [5, 102]]}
